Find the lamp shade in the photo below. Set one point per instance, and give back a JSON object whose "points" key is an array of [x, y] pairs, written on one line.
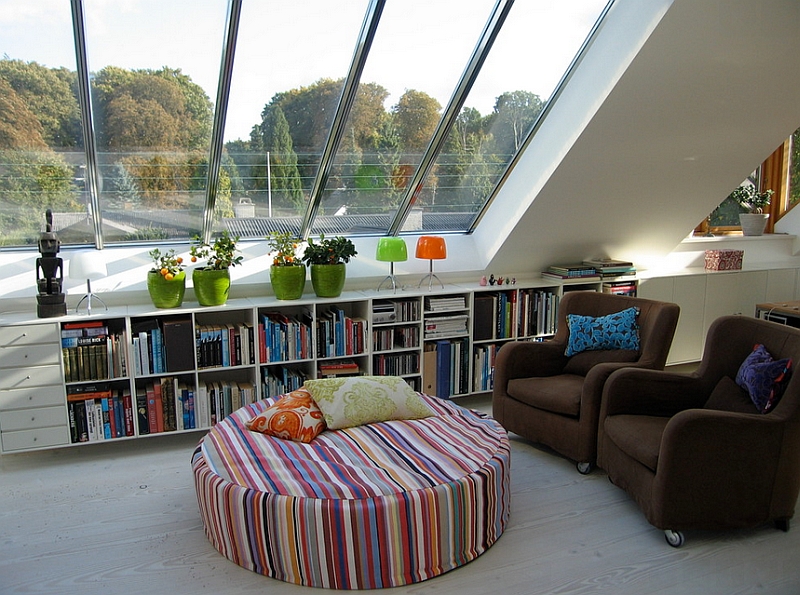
{"points": [[391, 249], [431, 248], [87, 265]]}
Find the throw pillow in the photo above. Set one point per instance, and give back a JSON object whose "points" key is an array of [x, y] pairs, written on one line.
{"points": [[764, 378], [359, 400], [613, 331], [295, 416]]}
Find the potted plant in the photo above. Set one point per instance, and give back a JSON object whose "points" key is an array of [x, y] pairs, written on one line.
{"points": [[327, 259], [287, 274], [212, 282], [166, 281], [754, 220]]}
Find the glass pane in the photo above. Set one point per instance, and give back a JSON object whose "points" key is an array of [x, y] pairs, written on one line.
{"points": [[155, 67], [419, 53], [727, 213], [291, 60], [40, 126], [794, 169], [533, 50]]}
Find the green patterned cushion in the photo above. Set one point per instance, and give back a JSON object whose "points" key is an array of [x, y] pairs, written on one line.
{"points": [[359, 400]]}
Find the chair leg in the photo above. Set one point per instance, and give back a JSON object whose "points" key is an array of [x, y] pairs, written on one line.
{"points": [[782, 525], [585, 468], [674, 538]]}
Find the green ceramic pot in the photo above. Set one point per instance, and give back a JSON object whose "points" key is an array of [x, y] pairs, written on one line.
{"points": [[288, 282], [328, 279], [166, 293], [211, 286]]}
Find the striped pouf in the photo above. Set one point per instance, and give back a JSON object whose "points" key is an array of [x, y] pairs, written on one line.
{"points": [[380, 505]]}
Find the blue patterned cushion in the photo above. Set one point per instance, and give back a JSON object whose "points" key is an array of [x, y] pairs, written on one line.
{"points": [[613, 331], [763, 377]]}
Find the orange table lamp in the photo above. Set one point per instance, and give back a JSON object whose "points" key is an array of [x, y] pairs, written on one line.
{"points": [[431, 248]]}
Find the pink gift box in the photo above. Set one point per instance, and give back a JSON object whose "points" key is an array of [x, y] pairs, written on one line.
{"points": [[724, 260]]}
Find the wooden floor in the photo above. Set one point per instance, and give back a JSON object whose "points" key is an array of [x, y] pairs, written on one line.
{"points": [[122, 519]]}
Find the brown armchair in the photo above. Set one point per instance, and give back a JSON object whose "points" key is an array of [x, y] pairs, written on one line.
{"points": [[550, 398], [692, 449]]}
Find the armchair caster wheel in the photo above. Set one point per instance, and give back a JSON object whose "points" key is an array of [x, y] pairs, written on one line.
{"points": [[674, 538], [585, 468], [782, 525]]}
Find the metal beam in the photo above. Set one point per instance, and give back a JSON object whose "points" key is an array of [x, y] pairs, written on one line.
{"points": [[346, 100]]}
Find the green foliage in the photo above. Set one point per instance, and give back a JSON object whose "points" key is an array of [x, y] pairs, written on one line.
{"points": [[329, 250], [416, 116], [167, 264], [222, 254], [283, 246], [48, 93], [749, 199]]}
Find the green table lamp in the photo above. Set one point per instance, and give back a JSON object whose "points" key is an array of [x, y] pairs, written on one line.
{"points": [[391, 249]]}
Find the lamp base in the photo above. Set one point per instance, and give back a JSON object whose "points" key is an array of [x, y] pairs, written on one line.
{"points": [[88, 299], [392, 283], [430, 277]]}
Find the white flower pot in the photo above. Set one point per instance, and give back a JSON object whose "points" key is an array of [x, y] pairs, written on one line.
{"points": [[753, 224]]}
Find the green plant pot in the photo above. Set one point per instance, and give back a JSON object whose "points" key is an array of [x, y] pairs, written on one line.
{"points": [[328, 279], [211, 286], [166, 293], [288, 282]]}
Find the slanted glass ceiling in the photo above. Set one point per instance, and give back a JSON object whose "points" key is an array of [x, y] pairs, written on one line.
{"points": [[312, 116]]}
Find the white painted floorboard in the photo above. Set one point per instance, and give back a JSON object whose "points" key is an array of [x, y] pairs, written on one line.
{"points": [[122, 519]]}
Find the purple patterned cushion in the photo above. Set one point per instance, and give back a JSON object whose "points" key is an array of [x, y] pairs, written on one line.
{"points": [[763, 377]]}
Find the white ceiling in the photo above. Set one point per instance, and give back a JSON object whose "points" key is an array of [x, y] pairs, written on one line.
{"points": [[674, 105]]}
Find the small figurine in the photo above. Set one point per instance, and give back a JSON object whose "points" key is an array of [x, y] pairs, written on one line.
{"points": [[491, 280], [513, 280], [499, 280], [49, 274], [483, 281], [508, 281]]}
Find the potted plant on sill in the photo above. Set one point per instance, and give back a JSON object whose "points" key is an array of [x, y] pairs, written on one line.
{"points": [[754, 220], [212, 282], [327, 261], [166, 281], [287, 274]]}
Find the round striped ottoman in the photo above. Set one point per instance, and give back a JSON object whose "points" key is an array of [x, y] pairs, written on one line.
{"points": [[379, 505]]}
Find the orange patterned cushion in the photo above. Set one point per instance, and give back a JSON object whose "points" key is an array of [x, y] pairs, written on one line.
{"points": [[295, 416]]}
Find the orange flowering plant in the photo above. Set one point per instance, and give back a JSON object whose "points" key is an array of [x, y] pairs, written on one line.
{"points": [[167, 264], [283, 247]]}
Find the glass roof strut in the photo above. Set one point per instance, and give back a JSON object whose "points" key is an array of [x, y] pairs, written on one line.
{"points": [[478, 57], [349, 93], [85, 100], [220, 111]]}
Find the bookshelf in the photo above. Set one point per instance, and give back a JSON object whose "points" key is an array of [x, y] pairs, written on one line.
{"points": [[138, 372]]}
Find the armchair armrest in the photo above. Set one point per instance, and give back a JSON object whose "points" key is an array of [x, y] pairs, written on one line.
{"points": [[733, 457], [639, 391]]}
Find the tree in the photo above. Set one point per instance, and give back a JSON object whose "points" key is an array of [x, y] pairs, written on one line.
{"points": [[416, 116], [50, 97], [283, 161], [513, 116], [19, 127]]}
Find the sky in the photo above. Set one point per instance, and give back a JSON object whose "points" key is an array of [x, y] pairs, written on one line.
{"points": [[420, 44]]}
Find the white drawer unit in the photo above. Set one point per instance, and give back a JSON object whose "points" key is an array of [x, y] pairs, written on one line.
{"points": [[33, 412]]}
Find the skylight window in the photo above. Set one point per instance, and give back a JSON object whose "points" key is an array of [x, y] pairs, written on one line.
{"points": [[371, 117]]}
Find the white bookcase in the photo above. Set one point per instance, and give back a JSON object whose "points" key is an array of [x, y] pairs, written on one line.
{"points": [[138, 372]]}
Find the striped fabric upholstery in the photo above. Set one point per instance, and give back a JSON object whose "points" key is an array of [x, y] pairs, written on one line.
{"points": [[379, 505]]}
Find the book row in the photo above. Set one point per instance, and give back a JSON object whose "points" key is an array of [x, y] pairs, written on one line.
{"points": [[284, 338], [446, 368], [99, 413], [399, 364], [339, 334], [225, 345], [403, 337]]}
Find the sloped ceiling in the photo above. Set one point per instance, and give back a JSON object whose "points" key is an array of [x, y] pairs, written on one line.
{"points": [[710, 89]]}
